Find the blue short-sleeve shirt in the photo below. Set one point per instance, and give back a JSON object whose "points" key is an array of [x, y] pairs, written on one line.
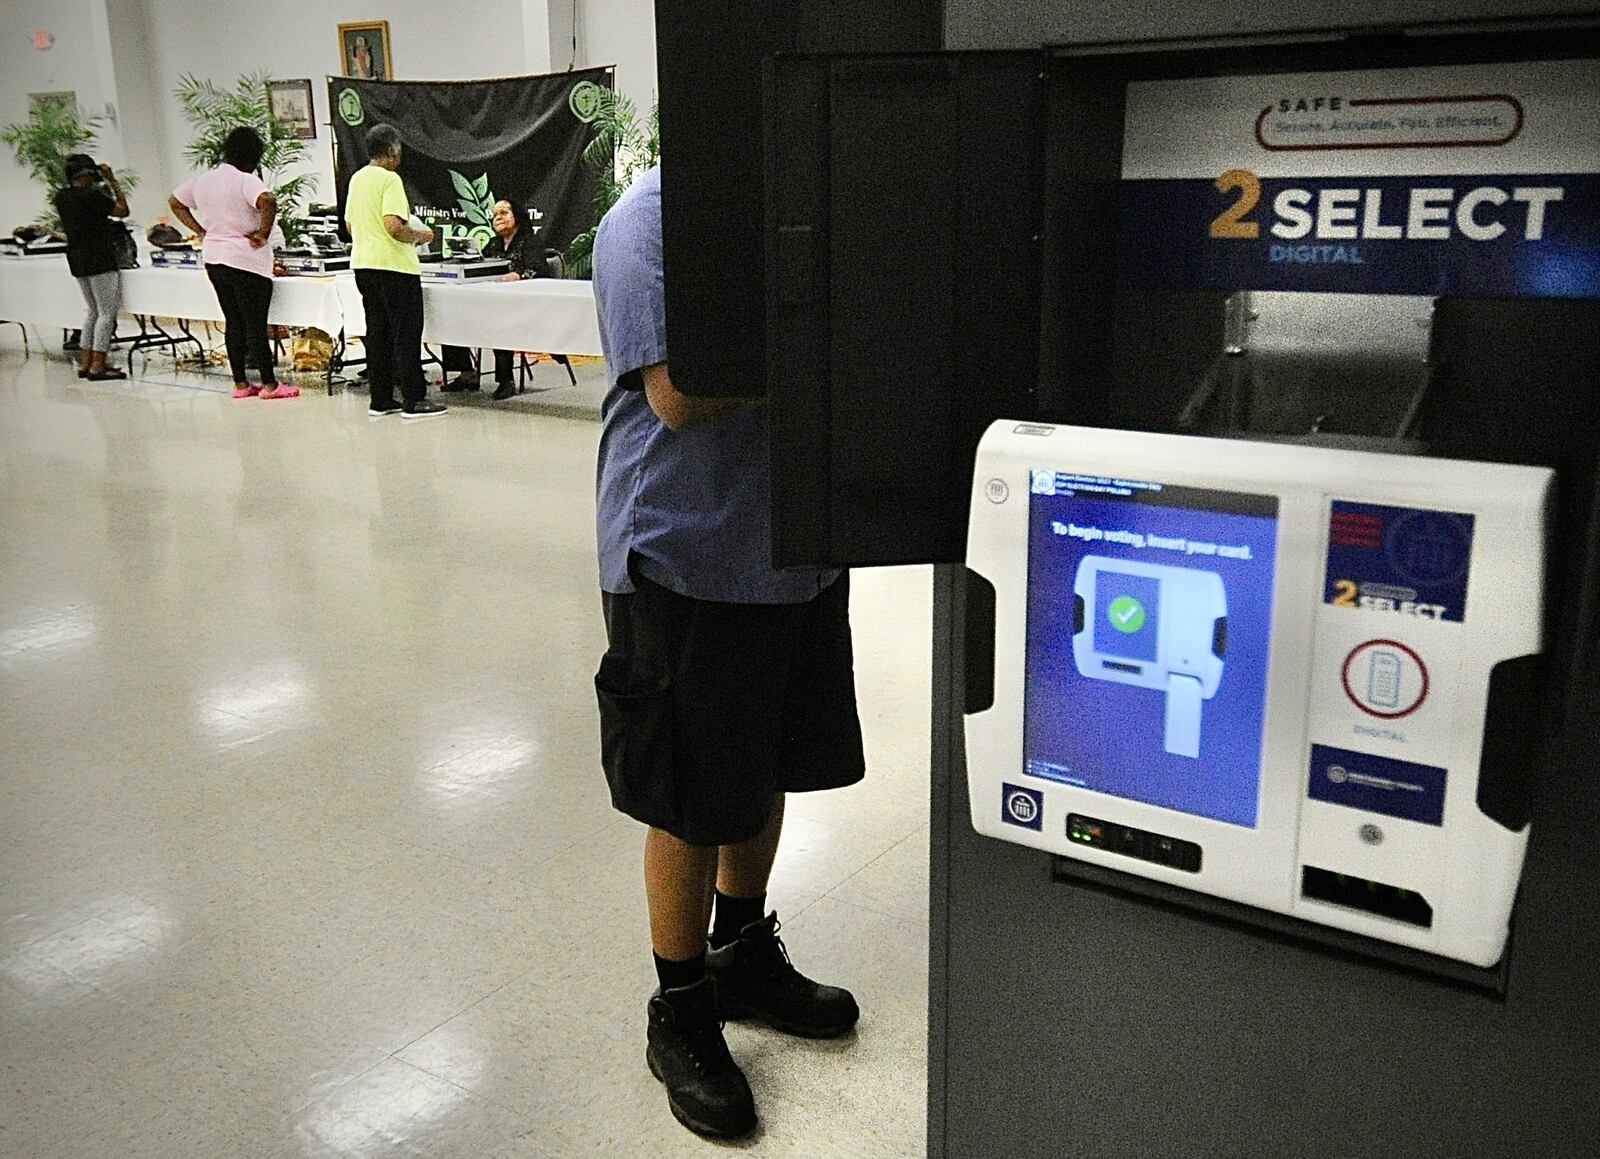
{"points": [[693, 504]]}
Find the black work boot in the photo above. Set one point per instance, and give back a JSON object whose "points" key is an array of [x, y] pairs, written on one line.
{"points": [[705, 1088], [756, 980]]}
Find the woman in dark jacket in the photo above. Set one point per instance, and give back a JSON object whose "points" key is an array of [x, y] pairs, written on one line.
{"points": [[86, 208]]}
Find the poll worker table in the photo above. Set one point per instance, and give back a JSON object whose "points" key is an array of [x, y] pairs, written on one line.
{"points": [[555, 315], [43, 292]]}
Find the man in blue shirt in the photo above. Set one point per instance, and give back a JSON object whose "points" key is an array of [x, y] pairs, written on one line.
{"points": [[726, 684]]}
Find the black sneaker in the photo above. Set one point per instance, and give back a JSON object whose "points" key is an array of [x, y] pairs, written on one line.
{"points": [[756, 980], [422, 409], [459, 383], [705, 1088], [504, 391], [378, 410]]}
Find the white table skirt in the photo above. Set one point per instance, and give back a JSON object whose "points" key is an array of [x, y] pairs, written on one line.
{"points": [[42, 292], [554, 315]]}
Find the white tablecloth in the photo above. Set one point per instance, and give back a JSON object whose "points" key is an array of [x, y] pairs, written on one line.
{"points": [[542, 314], [42, 292], [554, 315]]}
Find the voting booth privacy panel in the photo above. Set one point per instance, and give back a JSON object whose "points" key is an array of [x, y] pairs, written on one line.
{"points": [[1267, 648]]}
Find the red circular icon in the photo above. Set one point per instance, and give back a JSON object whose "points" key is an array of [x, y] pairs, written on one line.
{"points": [[1376, 678]]}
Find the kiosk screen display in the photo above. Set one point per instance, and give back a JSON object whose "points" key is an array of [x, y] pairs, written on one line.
{"points": [[1149, 619]]}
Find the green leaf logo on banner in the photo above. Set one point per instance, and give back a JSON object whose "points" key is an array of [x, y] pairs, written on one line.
{"points": [[474, 198], [350, 109], [584, 100]]}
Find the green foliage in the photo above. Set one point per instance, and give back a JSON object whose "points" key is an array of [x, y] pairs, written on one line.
{"points": [[215, 112], [42, 144], [474, 198], [621, 150]]}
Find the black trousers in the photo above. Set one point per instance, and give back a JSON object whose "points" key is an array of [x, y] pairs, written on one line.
{"points": [[458, 360], [393, 303], [245, 299]]}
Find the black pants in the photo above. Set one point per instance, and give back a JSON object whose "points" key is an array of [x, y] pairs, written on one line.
{"points": [[245, 299], [393, 302], [458, 360]]}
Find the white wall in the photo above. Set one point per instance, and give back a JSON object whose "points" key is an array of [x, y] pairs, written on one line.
{"points": [[623, 33], [76, 63], [292, 39], [153, 43]]}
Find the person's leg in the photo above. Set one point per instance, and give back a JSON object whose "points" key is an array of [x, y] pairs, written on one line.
{"points": [[406, 304], [107, 289], [816, 741], [224, 281], [458, 360], [742, 873], [677, 884], [504, 374], [379, 338], [646, 633], [91, 315], [256, 297]]}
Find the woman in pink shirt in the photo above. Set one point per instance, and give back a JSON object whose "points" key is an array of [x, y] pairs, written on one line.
{"points": [[232, 211]]}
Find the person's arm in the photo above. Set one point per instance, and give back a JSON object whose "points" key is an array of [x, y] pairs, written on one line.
{"points": [[400, 230], [267, 207], [680, 410], [119, 207], [184, 214]]}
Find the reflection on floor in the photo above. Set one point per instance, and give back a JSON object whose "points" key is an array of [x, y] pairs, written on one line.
{"points": [[304, 850]]}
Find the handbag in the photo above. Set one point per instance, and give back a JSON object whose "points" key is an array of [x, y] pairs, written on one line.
{"points": [[125, 248]]}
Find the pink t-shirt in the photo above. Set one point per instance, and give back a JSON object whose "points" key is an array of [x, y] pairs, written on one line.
{"points": [[224, 201]]}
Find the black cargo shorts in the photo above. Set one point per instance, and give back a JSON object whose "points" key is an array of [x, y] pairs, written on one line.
{"points": [[708, 710]]}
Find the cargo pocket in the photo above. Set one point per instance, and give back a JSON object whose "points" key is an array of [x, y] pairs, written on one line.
{"points": [[636, 748]]}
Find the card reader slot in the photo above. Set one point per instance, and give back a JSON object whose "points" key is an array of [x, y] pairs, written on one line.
{"points": [[1373, 897]]}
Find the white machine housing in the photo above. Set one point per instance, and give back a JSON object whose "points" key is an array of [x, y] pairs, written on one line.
{"points": [[1467, 865]]}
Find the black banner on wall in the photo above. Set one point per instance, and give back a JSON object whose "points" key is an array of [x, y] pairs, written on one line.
{"points": [[469, 144]]}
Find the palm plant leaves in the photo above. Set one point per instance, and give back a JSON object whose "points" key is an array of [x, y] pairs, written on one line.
{"points": [[214, 112], [620, 151], [42, 144]]}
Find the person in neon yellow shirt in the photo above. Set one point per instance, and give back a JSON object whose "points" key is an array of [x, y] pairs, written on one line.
{"points": [[389, 276]]}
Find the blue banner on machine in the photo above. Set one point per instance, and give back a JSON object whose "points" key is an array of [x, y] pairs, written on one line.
{"points": [[1377, 784], [1516, 235], [1403, 560], [1475, 180]]}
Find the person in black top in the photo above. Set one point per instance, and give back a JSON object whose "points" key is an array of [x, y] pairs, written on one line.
{"points": [[513, 240], [86, 207]]}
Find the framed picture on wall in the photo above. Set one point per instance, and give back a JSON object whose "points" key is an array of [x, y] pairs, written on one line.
{"points": [[290, 102], [364, 50]]}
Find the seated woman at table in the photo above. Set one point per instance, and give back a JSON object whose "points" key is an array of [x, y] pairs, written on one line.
{"points": [[86, 208], [232, 211], [513, 240]]}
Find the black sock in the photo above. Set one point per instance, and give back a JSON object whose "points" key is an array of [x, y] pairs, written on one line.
{"points": [[674, 974], [733, 914]]}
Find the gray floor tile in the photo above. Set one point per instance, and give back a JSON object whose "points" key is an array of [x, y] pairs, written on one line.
{"points": [[304, 847]]}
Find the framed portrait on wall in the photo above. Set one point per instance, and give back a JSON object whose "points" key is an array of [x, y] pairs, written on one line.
{"points": [[364, 50], [290, 102]]}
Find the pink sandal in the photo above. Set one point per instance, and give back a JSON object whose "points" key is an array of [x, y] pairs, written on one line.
{"points": [[282, 391], [246, 391]]}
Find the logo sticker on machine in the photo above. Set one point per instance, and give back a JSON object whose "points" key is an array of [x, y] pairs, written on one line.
{"points": [[1019, 806], [1377, 784], [1400, 560]]}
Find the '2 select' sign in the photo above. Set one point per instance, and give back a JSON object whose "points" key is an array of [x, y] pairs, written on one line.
{"points": [[1469, 180], [1525, 235]]}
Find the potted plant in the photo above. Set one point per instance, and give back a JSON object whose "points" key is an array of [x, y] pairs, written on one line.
{"points": [[42, 144], [621, 150], [215, 112]]}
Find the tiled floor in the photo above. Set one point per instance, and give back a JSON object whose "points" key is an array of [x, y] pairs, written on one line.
{"points": [[304, 850]]}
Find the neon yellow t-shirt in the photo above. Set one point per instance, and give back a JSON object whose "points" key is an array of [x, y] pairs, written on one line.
{"points": [[374, 193]]}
